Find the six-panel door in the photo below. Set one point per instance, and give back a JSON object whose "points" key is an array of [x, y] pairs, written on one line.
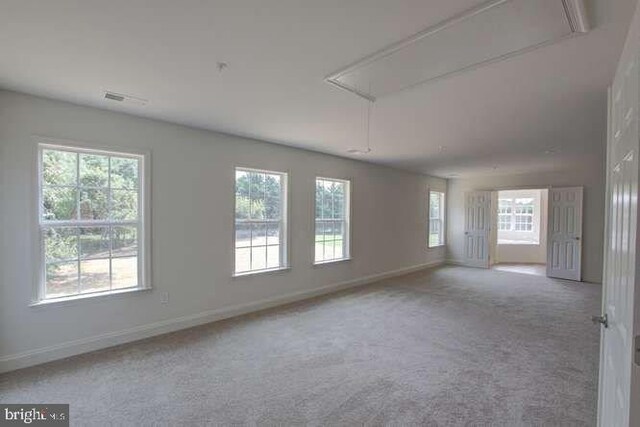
{"points": [[476, 228], [564, 253]]}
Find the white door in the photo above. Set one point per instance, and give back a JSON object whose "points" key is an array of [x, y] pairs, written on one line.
{"points": [[616, 353], [493, 233], [564, 242], [477, 219]]}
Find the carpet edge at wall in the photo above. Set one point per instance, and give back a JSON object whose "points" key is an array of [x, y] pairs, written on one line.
{"points": [[71, 348]]}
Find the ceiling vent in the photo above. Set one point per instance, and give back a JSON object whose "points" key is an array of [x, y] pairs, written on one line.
{"points": [[491, 32], [125, 99]]}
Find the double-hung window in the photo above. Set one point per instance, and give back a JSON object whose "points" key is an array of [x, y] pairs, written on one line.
{"points": [[516, 214], [332, 220], [92, 222], [505, 207], [260, 221], [519, 217], [523, 211], [436, 219]]}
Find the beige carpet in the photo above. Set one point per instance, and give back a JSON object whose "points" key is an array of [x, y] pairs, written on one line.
{"points": [[450, 346]]}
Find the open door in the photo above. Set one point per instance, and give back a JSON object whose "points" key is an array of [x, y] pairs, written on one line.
{"points": [[477, 217], [493, 229], [619, 390], [564, 242]]}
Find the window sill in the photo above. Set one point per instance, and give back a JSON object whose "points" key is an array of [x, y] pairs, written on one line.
{"points": [[437, 246], [257, 272], [86, 297], [331, 261], [519, 244]]}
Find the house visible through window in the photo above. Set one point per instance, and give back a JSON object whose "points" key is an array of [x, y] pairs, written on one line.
{"points": [[436, 218], [260, 221], [332, 220], [91, 221], [519, 216]]}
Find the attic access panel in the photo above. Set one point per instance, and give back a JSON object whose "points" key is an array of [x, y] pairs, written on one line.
{"points": [[491, 32]]}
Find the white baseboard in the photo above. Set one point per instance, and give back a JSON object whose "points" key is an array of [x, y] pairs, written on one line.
{"points": [[72, 348]]}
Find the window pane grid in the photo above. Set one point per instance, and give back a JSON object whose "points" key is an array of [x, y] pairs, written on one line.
{"points": [[86, 266], [331, 224], [515, 214], [88, 191], [87, 263], [504, 217], [436, 219], [259, 222], [517, 223]]}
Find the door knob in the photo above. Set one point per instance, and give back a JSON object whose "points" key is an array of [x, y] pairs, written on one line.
{"points": [[577, 238], [603, 320]]}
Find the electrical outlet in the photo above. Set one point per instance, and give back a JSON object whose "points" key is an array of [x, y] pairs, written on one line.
{"points": [[164, 298]]}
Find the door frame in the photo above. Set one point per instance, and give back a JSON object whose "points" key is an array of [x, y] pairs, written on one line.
{"points": [[544, 215], [493, 229]]}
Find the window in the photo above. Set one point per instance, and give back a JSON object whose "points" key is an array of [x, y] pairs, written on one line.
{"points": [[91, 220], [332, 220], [504, 214], [523, 214], [260, 221], [519, 216], [436, 219]]}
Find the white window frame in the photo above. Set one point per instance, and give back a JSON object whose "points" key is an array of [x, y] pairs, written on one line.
{"points": [[518, 214], [346, 245], [508, 214], [143, 224], [513, 223], [284, 223], [442, 219]]}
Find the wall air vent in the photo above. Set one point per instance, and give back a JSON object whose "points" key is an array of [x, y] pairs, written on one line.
{"points": [[491, 32], [125, 99]]}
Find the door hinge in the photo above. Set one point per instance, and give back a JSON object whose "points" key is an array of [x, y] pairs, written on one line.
{"points": [[602, 320], [636, 346]]}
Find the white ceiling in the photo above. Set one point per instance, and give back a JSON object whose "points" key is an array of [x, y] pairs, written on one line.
{"points": [[496, 29], [506, 114]]}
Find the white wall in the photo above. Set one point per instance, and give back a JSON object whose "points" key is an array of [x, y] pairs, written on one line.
{"points": [[529, 253], [590, 176], [192, 221]]}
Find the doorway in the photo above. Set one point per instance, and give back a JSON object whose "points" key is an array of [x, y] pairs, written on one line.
{"points": [[518, 241]]}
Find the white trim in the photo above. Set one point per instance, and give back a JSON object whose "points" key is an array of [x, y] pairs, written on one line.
{"points": [[144, 209], [574, 13], [92, 295], [261, 271], [346, 250], [285, 214], [443, 213], [71, 348], [331, 261], [63, 145]]}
